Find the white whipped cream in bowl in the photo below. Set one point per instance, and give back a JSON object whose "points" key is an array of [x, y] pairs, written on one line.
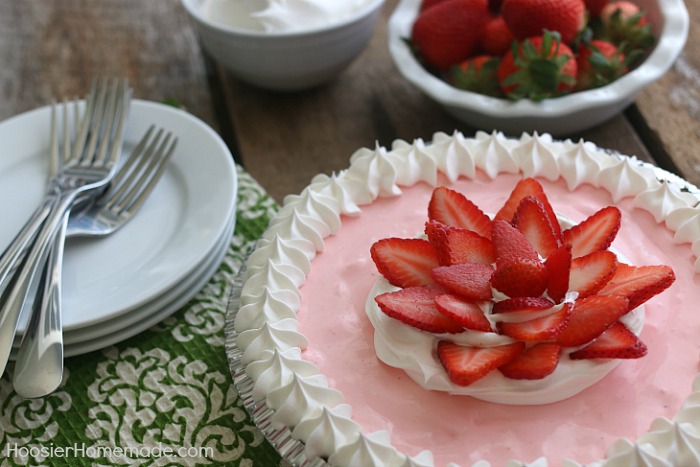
{"points": [[282, 15], [284, 45]]}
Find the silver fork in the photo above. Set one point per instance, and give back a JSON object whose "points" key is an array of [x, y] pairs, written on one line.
{"points": [[39, 367], [91, 165]]}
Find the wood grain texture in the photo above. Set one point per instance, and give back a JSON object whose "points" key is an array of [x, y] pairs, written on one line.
{"points": [[670, 108], [54, 48], [285, 139]]}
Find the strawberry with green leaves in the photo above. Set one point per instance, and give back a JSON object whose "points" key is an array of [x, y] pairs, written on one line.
{"points": [[477, 74], [626, 25], [538, 68], [448, 33], [599, 63], [530, 18]]}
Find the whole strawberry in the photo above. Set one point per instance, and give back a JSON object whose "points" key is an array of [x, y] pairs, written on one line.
{"points": [[496, 37], [626, 25], [529, 18], [447, 33], [477, 74], [599, 63], [594, 7], [425, 4], [538, 68]]}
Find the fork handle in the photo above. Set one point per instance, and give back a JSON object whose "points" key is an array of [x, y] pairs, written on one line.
{"points": [[15, 291], [39, 365]]}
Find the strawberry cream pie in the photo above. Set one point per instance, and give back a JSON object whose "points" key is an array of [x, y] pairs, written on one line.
{"points": [[479, 301]]}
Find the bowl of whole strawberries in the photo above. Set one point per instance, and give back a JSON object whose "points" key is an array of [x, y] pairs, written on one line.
{"points": [[515, 66]]}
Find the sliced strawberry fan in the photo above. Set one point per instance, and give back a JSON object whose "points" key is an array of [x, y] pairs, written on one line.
{"points": [[556, 293]]}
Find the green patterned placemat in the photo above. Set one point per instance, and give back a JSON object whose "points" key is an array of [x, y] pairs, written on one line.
{"points": [[163, 397]]}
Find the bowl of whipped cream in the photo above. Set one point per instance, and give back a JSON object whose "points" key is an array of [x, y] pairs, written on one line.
{"points": [[284, 45]]}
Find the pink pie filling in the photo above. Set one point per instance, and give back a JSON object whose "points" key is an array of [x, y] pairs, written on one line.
{"points": [[462, 429]]}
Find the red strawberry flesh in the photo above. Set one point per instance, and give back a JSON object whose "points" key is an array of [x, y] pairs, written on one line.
{"points": [[405, 262], [465, 365], [415, 306], [455, 245], [590, 273], [452, 208], [523, 278], [615, 342], [638, 283], [468, 314], [469, 281], [541, 328], [595, 233], [590, 317], [528, 187], [558, 267], [532, 220], [536, 362]]}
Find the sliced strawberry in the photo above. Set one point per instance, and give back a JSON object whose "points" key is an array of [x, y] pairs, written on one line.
{"points": [[524, 278], [590, 273], [528, 187], [510, 244], [595, 233], [590, 317], [452, 208], [465, 364], [469, 281], [405, 262], [521, 304], [616, 342], [455, 245], [638, 283], [542, 328], [415, 306], [536, 362], [468, 314], [558, 266], [532, 220]]}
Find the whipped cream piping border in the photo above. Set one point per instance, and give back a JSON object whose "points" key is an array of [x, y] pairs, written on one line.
{"points": [[282, 390]]}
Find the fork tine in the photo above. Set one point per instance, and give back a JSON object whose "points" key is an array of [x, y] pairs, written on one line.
{"points": [[122, 104], [110, 118], [133, 163], [81, 132], [53, 142], [131, 195]]}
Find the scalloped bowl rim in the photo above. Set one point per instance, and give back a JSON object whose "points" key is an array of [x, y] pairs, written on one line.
{"points": [[670, 43]]}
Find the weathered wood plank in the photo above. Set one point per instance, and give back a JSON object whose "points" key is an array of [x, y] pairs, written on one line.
{"points": [[670, 108], [53, 49], [285, 139]]}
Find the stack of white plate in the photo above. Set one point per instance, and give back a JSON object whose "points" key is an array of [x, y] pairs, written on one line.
{"points": [[117, 286]]}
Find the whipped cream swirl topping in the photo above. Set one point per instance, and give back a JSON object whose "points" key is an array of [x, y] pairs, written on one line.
{"points": [[265, 324], [282, 15]]}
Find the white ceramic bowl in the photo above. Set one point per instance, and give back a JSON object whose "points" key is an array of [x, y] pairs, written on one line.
{"points": [[558, 116], [286, 61]]}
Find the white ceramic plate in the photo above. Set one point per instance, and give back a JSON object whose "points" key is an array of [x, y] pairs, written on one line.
{"points": [[179, 225], [162, 305], [101, 335]]}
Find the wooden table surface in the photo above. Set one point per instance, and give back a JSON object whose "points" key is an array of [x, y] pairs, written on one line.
{"points": [[53, 48]]}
